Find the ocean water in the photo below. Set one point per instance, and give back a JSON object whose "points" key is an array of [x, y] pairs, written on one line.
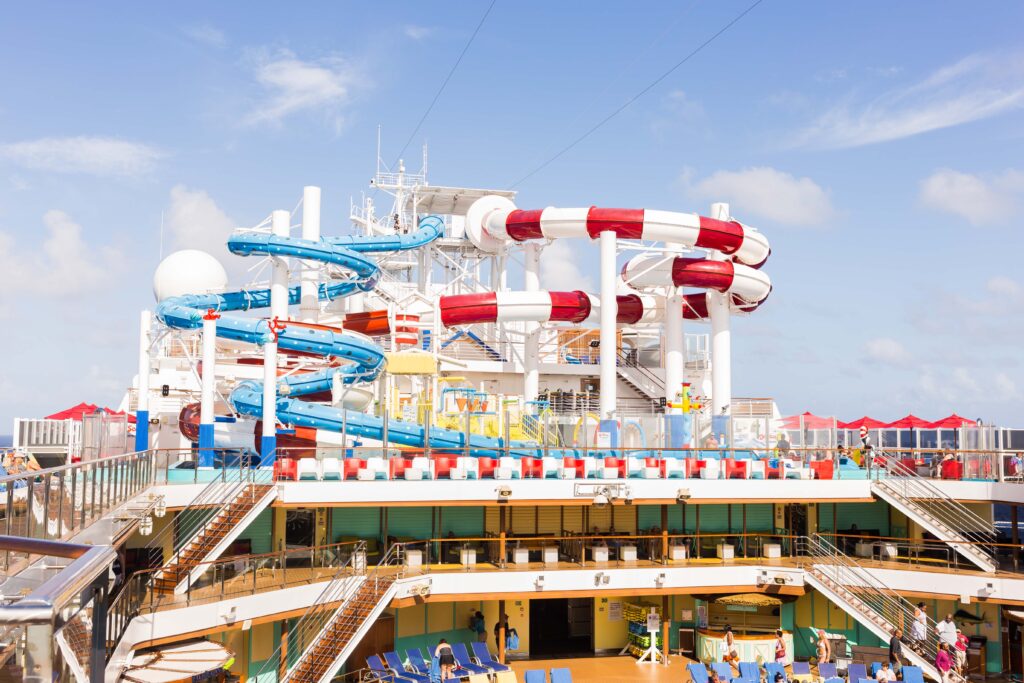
{"points": [[6, 440]]}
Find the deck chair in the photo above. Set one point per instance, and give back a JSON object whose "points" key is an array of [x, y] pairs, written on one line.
{"points": [[723, 669], [801, 671], [483, 655], [866, 680], [771, 668], [856, 672], [419, 661], [382, 673], [395, 663], [749, 672], [464, 662], [827, 670], [561, 676], [536, 676], [875, 666], [912, 674], [835, 679], [698, 674]]}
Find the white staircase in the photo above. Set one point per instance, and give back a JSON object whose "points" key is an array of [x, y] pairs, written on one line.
{"points": [[643, 380], [857, 591], [942, 516]]}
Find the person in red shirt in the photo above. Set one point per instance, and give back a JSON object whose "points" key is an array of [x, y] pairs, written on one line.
{"points": [[960, 650]]}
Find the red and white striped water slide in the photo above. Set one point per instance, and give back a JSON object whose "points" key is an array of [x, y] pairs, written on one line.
{"points": [[730, 277]]}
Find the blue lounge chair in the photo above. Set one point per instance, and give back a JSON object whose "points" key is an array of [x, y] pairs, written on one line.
{"points": [[912, 674], [866, 680], [771, 668], [382, 673], [749, 672], [483, 655], [827, 670], [396, 664], [536, 676], [835, 679], [698, 674], [801, 669], [464, 662], [723, 670], [561, 676], [419, 660], [875, 666], [856, 672]]}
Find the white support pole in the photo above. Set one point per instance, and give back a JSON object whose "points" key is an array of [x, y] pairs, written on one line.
{"points": [[721, 341], [674, 350], [309, 309], [142, 402], [531, 346], [209, 380], [609, 312], [278, 311]]}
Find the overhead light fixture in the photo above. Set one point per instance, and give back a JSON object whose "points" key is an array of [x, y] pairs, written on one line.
{"points": [[781, 580], [601, 499], [160, 509], [504, 493], [146, 526], [539, 583], [659, 580], [762, 578], [628, 495], [604, 494]]}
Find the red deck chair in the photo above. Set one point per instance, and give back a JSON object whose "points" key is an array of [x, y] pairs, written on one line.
{"points": [[581, 469], [773, 472], [822, 469], [284, 469], [533, 468], [352, 467], [398, 466], [618, 463], [487, 467], [951, 469], [735, 468]]}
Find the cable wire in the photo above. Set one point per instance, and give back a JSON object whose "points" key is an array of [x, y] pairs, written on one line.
{"points": [[440, 90], [637, 96]]}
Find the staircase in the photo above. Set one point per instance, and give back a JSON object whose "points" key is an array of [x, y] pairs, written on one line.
{"points": [[75, 643], [860, 594], [213, 519], [328, 634], [640, 379], [942, 516]]}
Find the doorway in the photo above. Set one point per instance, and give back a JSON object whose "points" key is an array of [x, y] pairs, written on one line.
{"points": [[298, 528], [561, 627], [796, 519]]}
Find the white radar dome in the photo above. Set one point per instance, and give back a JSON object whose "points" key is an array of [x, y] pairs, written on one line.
{"points": [[188, 271]]}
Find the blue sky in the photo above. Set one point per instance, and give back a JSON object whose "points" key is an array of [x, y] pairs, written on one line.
{"points": [[878, 145]]}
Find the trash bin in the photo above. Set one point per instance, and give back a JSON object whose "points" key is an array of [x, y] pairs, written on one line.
{"points": [[841, 654], [976, 656]]}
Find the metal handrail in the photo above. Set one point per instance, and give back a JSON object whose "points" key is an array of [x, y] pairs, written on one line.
{"points": [[628, 361], [943, 508]]}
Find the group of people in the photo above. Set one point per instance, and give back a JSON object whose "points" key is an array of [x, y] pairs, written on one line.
{"points": [[478, 625], [951, 656], [17, 462]]}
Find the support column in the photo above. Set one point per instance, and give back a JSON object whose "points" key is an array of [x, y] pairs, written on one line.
{"points": [[309, 307], [278, 314], [721, 344], [676, 423], [531, 347], [502, 623], [142, 403], [209, 380], [609, 352]]}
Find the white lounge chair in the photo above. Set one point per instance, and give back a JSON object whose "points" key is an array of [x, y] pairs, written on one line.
{"points": [[308, 469], [330, 469]]}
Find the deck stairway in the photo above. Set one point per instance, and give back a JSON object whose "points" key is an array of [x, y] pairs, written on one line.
{"points": [[211, 522], [343, 613], [942, 516], [75, 643], [857, 591], [641, 379]]}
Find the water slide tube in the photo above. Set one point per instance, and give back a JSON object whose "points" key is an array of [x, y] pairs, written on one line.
{"points": [[365, 359]]}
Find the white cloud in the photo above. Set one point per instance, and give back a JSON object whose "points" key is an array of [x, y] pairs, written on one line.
{"points": [[1001, 285], [66, 265], [559, 269], [206, 34], [194, 221], [979, 200], [93, 155], [975, 88], [965, 388], [885, 350], [417, 32], [292, 85], [766, 192]]}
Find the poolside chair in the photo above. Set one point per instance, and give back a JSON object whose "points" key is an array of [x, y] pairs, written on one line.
{"points": [[463, 660], [875, 666], [912, 674], [483, 655], [771, 669], [749, 672], [309, 470], [800, 669], [856, 672], [835, 679], [698, 674], [382, 673], [396, 664], [561, 676], [418, 660], [827, 670], [723, 669], [536, 676], [866, 680], [330, 469]]}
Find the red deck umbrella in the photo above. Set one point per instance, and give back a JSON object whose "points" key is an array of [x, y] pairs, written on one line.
{"points": [[909, 421], [869, 422], [954, 421], [810, 421], [83, 409]]}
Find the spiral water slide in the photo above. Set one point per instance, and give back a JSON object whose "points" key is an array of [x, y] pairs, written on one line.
{"points": [[742, 252], [365, 360]]}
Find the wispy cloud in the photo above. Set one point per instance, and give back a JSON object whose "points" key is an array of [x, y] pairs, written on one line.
{"points": [[194, 221], [66, 265], [975, 88], [291, 85], [765, 192], [93, 155], [560, 270], [417, 32], [981, 200], [206, 34], [885, 350]]}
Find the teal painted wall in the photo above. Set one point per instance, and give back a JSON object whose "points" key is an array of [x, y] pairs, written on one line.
{"points": [[359, 522], [259, 532], [463, 521], [410, 522]]}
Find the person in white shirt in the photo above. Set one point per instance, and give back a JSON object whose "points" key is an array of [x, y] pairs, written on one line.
{"points": [[947, 631], [885, 673]]}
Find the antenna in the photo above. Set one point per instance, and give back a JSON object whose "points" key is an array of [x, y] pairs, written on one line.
{"points": [[424, 171], [161, 235], [378, 148]]}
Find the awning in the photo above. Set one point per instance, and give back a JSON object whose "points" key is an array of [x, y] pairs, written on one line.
{"points": [[749, 599], [869, 422], [83, 409], [809, 422], [954, 421], [908, 422]]}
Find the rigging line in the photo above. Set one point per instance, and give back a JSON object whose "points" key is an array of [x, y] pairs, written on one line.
{"points": [[693, 53], [444, 84]]}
